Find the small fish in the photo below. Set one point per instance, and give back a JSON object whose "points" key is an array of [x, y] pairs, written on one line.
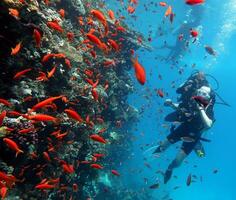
{"points": [[21, 73], [16, 49], [98, 138], [74, 115], [168, 11], [189, 180], [131, 9], [5, 102], [111, 14], [3, 192], [42, 117], [2, 116], [37, 37], [96, 166], [160, 93], [194, 2], [68, 168], [13, 146], [210, 50], [45, 102], [154, 186], [215, 171], [163, 4], [51, 73], [44, 186], [194, 33], [116, 173], [55, 26], [70, 36], [62, 13], [14, 12], [139, 71]]}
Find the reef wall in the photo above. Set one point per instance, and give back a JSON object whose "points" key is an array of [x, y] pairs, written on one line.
{"points": [[64, 85]]}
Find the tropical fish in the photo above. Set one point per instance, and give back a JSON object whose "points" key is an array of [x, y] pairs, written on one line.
{"points": [[37, 37], [194, 33], [168, 11], [139, 71], [16, 49], [3, 192], [44, 186], [21, 73], [13, 146], [98, 138], [73, 114], [194, 2], [111, 14], [55, 26], [131, 9], [96, 166], [116, 173], [163, 4], [68, 168], [210, 50], [160, 93], [62, 13], [42, 117], [2, 116], [51, 73], [45, 102], [14, 12], [189, 180]]}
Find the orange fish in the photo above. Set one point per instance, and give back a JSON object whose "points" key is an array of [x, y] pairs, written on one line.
{"points": [[37, 37], [44, 186], [74, 115], [62, 13], [163, 4], [168, 11], [25, 131], [3, 192], [94, 94], [131, 9], [55, 26], [13, 12], [98, 138], [2, 116], [111, 14], [139, 71], [45, 102], [13, 146], [5, 102], [16, 49], [114, 44], [51, 73], [96, 166], [42, 117], [94, 39], [68, 168], [21, 73], [100, 17], [46, 156]]}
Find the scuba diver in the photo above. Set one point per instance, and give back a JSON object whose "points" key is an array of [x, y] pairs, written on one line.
{"points": [[193, 21], [194, 113]]}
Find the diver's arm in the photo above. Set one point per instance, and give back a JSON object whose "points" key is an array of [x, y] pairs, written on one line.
{"points": [[207, 121]]}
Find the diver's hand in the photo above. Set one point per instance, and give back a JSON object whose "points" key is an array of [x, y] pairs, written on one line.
{"points": [[168, 103]]}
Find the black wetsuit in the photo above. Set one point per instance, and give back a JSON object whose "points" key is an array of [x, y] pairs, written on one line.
{"points": [[191, 127]]}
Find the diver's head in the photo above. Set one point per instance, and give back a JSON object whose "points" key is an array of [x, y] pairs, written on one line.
{"points": [[204, 92]]}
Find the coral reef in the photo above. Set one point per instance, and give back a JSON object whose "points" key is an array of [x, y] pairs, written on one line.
{"points": [[88, 85]]}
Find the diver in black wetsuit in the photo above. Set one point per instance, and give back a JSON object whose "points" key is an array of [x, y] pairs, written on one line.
{"points": [[195, 114], [183, 32]]}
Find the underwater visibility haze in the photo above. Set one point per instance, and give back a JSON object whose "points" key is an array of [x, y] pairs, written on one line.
{"points": [[117, 99]]}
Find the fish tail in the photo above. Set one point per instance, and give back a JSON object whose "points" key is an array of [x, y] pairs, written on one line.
{"points": [[18, 152]]}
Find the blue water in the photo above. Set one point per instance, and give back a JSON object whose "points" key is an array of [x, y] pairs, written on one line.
{"points": [[217, 28]]}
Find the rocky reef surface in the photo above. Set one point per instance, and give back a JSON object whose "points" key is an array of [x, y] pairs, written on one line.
{"points": [[64, 85]]}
